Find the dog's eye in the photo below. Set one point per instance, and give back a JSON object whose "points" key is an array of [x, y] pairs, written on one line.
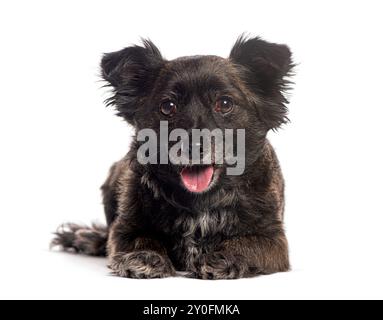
{"points": [[168, 108], [224, 105]]}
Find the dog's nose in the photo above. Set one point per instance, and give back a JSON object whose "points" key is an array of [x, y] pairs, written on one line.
{"points": [[192, 149]]}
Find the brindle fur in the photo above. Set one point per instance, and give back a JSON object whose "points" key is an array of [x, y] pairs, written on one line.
{"points": [[155, 226]]}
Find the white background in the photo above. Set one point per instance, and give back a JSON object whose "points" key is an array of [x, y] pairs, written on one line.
{"points": [[58, 140]]}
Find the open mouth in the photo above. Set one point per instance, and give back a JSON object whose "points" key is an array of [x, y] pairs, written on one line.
{"points": [[197, 178]]}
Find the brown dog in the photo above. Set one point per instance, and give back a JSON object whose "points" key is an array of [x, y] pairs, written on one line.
{"points": [[196, 219]]}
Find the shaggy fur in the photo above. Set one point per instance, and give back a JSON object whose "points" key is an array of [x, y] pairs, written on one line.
{"points": [[156, 226]]}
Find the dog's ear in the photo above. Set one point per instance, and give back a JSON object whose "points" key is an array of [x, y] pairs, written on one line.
{"points": [[265, 68], [131, 73]]}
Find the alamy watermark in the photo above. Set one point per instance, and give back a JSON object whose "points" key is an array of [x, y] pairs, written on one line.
{"points": [[201, 147]]}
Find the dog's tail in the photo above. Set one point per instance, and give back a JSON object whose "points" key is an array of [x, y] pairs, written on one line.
{"points": [[82, 239]]}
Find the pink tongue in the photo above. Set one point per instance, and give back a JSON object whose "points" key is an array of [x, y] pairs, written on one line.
{"points": [[197, 179]]}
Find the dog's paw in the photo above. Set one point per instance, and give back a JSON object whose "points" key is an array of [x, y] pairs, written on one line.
{"points": [[141, 265], [220, 266]]}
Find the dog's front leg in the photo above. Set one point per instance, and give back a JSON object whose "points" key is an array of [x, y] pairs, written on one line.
{"points": [[245, 257], [138, 257]]}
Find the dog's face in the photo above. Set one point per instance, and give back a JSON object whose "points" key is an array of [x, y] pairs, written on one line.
{"points": [[244, 91]]}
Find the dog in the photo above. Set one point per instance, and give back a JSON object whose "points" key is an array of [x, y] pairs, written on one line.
{"points": [[194, 220]]}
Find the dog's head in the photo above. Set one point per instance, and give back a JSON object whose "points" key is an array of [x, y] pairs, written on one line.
{"points": [[244, 91]]}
